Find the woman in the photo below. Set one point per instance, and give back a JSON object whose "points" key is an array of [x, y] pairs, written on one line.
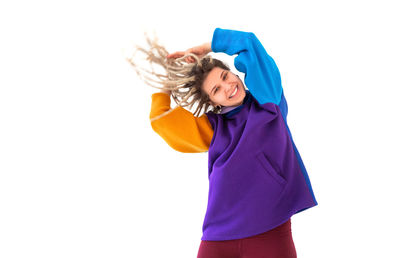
{"points": [[256, 175]]}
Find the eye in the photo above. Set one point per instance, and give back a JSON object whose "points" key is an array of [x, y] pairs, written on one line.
{"points": [[216, 89], [225, 76]]}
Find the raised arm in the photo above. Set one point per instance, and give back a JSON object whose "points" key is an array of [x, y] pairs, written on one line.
{"points": [[262, 76], [180, 128], [200, 51]]}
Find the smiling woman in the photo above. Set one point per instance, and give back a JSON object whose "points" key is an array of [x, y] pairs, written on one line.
{"points": [[224, 88], [257, 178]]}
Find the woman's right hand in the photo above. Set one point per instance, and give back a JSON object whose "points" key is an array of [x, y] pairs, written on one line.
{"points": [[200, 51], [165, 91]]}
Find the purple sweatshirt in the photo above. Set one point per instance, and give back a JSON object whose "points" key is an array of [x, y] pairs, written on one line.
{"points": [[257, 179]]}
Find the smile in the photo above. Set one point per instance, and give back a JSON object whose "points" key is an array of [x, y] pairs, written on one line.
{"points": [[234, 92]]}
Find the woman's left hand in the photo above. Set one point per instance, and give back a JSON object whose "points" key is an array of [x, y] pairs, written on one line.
{"points": [[200, 51]]}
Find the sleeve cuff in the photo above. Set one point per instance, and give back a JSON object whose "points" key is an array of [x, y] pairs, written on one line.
{"points": [[215, 47], [161, 99]]}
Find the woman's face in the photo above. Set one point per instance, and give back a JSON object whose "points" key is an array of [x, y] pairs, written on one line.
{"points": [[224, 87]]}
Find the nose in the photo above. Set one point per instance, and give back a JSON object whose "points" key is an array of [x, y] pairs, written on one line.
{"points": [[228, 87]]}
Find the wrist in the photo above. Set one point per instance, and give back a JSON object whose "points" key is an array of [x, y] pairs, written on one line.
{"points": [[207, 47], [166, 92]]}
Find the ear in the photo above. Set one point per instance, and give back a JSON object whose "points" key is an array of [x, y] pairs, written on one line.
{"points": [[213, 104]]}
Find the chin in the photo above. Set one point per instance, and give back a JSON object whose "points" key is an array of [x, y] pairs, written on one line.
{"points": [[240, 101]]}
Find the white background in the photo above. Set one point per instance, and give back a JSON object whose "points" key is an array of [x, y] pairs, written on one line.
{"points": [[82, 174]]}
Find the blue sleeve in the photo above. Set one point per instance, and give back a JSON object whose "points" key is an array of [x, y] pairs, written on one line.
{"points": [[262, 76]]}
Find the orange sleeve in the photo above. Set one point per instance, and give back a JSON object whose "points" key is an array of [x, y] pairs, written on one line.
{"points": [[180, 128]]}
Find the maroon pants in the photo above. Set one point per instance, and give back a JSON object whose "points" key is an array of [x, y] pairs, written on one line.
{"points": [[275, 243]]}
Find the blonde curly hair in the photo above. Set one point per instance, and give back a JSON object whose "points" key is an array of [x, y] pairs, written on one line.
{"points": [[184, 80]]}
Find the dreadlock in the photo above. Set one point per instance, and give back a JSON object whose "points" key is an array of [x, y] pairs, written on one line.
{"points": [[183, 80]]}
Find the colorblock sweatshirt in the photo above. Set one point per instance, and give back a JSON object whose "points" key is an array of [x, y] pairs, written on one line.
{"points": [[257, 179]]}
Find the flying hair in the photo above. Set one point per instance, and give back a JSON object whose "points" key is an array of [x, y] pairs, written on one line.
{"points": [[184, 80]]}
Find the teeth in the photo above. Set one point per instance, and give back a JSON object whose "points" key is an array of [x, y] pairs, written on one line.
{"points": [[234, 92]]}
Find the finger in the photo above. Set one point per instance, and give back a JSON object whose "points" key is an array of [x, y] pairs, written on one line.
{"points": [[176, 54], [189, 59]]}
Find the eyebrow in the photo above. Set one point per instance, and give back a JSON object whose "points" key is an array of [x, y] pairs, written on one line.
{"points": [[219, 77]]}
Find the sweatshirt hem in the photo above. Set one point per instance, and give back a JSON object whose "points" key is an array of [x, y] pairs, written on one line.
{"points": [[265, 229]]}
